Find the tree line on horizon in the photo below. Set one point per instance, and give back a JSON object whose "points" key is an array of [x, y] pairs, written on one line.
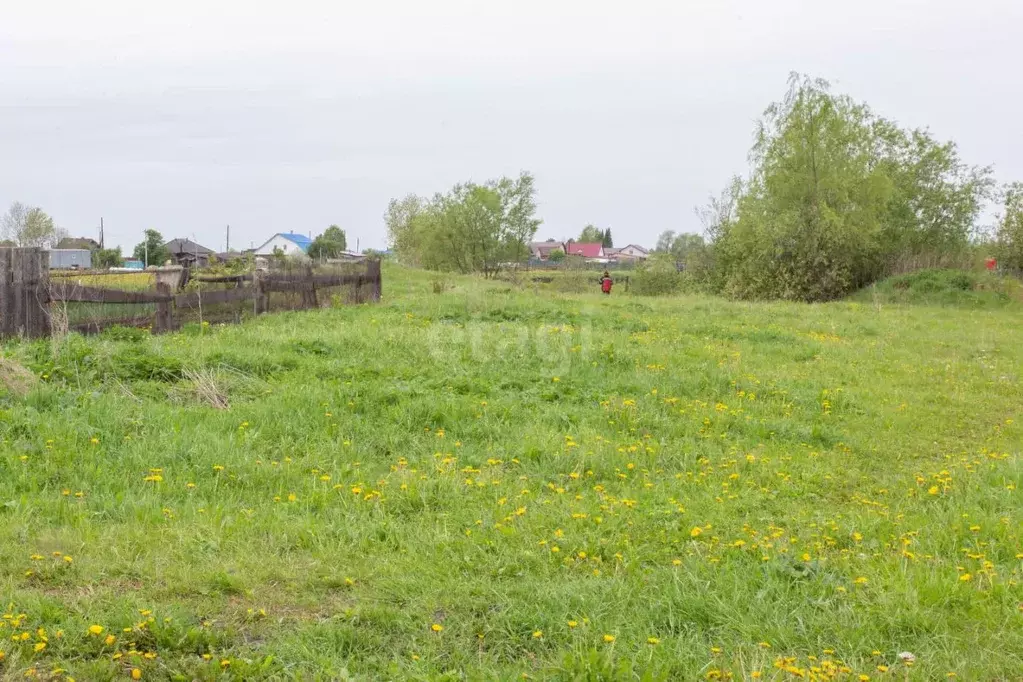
{"points": [[836, 198]]}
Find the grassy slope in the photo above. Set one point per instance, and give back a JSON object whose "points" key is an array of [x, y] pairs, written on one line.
{"points": [[739, 482]]}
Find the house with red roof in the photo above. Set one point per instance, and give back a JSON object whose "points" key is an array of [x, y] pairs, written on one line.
{"points": [[588, 250]]}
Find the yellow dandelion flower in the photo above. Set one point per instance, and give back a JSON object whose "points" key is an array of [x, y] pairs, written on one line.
{"points": [[573, 623], [136, 674], [695, 532], [965, 577], [437, 627], [95, 629], [653, 641], [609, 639], [39, 646], [109, 640], [538, 634]]}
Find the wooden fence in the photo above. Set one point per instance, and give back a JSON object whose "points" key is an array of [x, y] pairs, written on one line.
{"points": [[33, 303]]}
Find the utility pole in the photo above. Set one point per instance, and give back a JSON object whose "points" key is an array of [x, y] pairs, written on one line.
{"points": [[101, 233], [227, 241]]}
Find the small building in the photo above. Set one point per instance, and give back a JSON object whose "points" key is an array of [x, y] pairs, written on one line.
{"points": [[70, 259], [78, 243], [633, 251], [543, 250], [289, 243], [588, 250], [189, 254]]}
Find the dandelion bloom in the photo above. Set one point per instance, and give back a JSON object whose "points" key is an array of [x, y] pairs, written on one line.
{"points": [[573, 623], [538, 634], [437, 627], [136, 674], [653, 640], [695, 532], [609, 639], [95, 629]]}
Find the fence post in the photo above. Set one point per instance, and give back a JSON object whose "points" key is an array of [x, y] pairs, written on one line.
{"points": [[309, 297], [162, 322], [24, 292], [259, 297], [373, 270], [7, 320], [168, 279]]}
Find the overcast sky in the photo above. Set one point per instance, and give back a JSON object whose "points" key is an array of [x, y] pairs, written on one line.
{"points": [[186, 115]]}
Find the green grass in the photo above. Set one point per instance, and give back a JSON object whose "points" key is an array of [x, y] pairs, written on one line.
{"points": [[744, 483], [959, 288]]}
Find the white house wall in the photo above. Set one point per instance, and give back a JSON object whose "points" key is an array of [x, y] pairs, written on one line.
{"points": [[289, 247]]}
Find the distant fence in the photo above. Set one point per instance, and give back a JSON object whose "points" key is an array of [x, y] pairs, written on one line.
{"points": [[35, 302]]}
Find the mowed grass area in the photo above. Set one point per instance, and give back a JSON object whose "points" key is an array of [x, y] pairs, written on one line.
{"points": [[488, 483]]}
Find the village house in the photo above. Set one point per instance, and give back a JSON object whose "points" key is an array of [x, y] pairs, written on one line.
{"points": [[288, 243], [632, 252], [189, 254], [543, 250], [591, 251]]}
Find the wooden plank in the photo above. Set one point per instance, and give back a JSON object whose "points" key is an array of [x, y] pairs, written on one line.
{"points": [[70, 291], [18, 286], [201, 298], [288, 285], [38, 323], [6, 292], [261, 303], [336, 280], [373, 272], [224, 278], [162, 321]]}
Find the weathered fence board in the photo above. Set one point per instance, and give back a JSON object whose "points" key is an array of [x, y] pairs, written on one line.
{"points": [[200, 298], [223, 278], [26, 293], [70, 291], [7, 317]]}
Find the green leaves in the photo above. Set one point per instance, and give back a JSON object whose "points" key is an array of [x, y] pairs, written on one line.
{"points": [[472, 228], [331, 244], [837, 198], [151, 250]]}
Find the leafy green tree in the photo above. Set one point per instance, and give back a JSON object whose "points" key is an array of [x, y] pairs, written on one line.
{"points": [[29, 226], [330, 244], [591, 233], [665, 241], [151, 249], [472, 228], [107, 258], [607, 242], [556, 256], [1009, 234], [835, 198], [404, 219]]}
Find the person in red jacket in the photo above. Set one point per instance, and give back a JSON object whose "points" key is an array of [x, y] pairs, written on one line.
{"points": [[605, 283]]}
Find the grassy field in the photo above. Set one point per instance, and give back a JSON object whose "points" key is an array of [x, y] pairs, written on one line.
{"points": [[473, 481]]}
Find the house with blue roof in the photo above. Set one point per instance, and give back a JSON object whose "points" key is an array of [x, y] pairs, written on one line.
{"points": [[290, 243]]}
